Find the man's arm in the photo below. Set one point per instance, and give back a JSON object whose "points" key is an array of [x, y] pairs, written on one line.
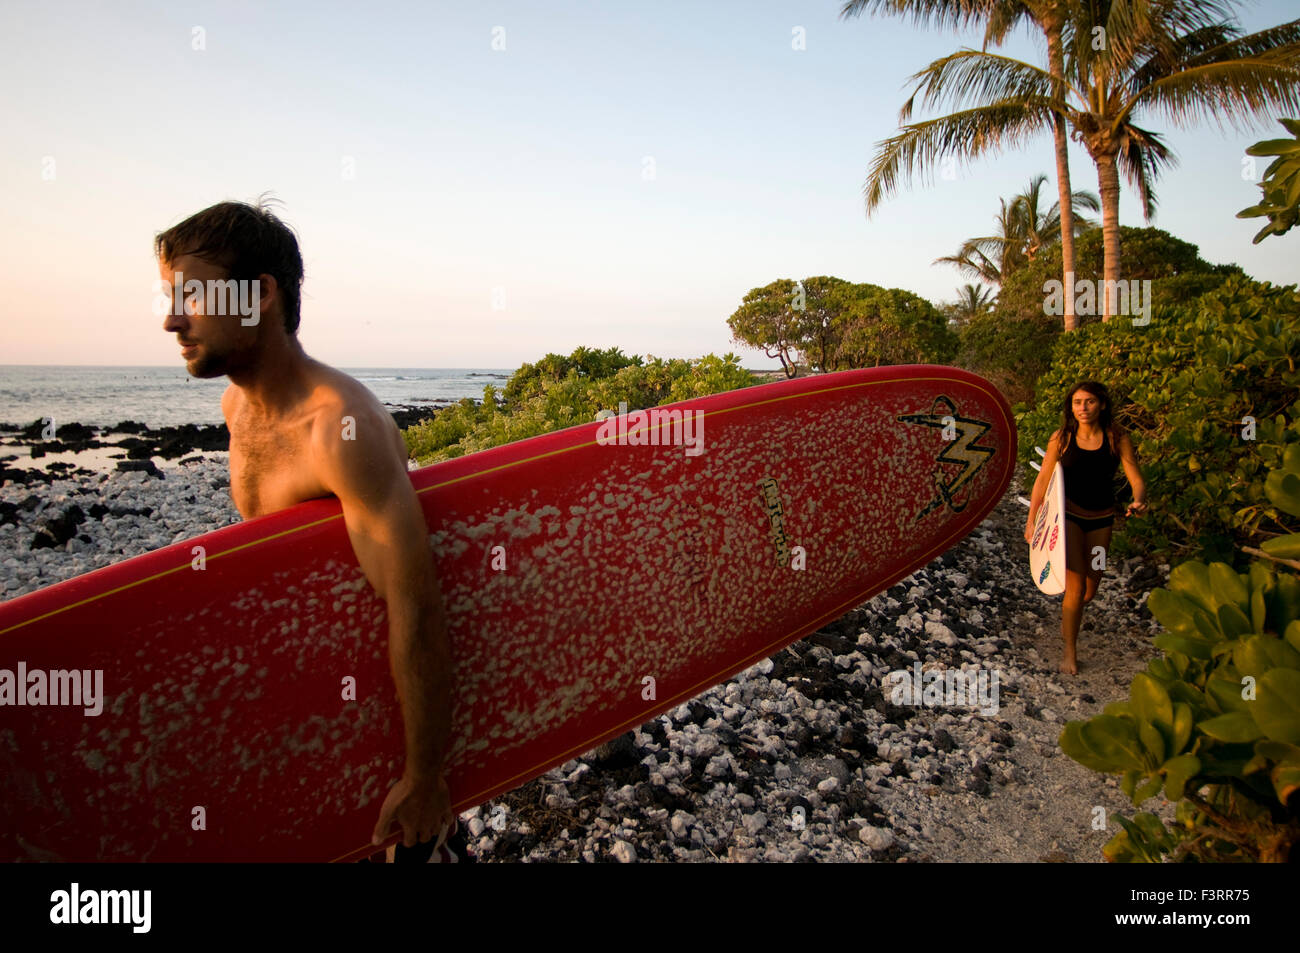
{"points": [[387, 530]]}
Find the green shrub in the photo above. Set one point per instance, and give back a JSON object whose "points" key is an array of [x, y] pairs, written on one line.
{"points": [[1182, 386], [1280, 187], [559, 392], [1214, 723], [1012, 346]]}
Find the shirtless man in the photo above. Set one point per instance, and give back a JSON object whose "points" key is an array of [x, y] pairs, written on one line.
{"points": [[286, 413]]}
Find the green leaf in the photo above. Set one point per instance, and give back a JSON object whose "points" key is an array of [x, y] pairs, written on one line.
{"points": [[1150, 787], [1178, 772], [1114, 740], [1162, 671], [1283, 547], [1226, 586], [1194, 648], [1128, 783], [1286, 779], [1072, 743], [1153, 740], [1225, 690], [1283, 489], [1188, 695], [1233, 622], [1235, 726], [1260, 653], [1173, 611], [1273, 147], [1277, 708], [1277, 750], [1151, 702], [1183, 724], [1291, 458], [1292, 634], [1191, 580], [1282, 602]]}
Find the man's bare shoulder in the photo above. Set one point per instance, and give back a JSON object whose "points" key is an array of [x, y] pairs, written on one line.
{"points": [[228, 398], [343, 408]]}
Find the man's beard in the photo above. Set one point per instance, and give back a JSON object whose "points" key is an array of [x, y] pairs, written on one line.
{"points": [[207, 364]]}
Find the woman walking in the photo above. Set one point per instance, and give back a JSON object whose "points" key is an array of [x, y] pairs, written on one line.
{"points": [[1090, 446]]}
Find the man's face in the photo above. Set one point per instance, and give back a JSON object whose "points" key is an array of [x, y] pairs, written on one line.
{"points": [[217, 343]]}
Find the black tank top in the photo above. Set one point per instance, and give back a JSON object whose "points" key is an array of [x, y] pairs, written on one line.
{"points": [[1090, 474]]}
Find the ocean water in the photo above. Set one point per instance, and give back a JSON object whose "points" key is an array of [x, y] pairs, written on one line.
{"points": [[167, 396]]}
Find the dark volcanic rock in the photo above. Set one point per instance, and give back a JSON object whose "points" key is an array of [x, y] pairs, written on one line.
{"points": [[55, 532], [410, 416], [146, 466]]}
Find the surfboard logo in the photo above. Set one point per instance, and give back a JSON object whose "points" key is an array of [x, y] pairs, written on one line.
{"points": [[769, 496], [1047, 571], [1055, 533], [961, 458]]}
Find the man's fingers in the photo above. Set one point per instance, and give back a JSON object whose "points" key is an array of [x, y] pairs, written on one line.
{"points": [[443, 833], [385, 822]]}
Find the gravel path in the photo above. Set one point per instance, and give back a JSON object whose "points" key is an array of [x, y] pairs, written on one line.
{"points": [[804, 756]]}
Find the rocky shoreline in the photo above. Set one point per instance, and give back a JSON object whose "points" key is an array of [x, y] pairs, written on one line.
{"points": [[802, 757], [83, 498]]}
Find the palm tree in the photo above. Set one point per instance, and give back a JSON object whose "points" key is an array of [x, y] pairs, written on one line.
{"points": [[1000, 18], [993, 258], [972, 301], [1049, 227], [1156, 55], [1023, 227]]}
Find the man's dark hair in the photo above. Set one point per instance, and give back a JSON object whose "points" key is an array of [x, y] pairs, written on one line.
{"points": [[247, 241]]}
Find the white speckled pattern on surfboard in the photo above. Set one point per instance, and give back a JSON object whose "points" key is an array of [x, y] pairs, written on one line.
{"points": [[622, 563]]}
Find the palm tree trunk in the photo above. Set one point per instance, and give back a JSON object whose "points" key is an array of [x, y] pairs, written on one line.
{"points": [[1056, 64], [1108, 186]]}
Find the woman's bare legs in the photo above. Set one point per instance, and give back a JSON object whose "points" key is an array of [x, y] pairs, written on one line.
{"points": [[1082, 577]]}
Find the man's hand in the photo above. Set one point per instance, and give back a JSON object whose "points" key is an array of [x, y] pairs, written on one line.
{"points": [[423, 809], [385, 524]]}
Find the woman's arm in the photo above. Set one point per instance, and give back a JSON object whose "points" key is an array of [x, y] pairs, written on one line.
{"points": [[1128, 456], [1040, 484]]}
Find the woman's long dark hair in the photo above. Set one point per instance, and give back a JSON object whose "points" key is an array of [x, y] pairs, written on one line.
{"points": [[1105, 420]]}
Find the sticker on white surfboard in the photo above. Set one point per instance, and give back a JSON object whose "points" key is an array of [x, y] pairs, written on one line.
{"points": [[1047, 545]]}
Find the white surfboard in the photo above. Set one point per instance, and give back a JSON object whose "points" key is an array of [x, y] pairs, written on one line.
{"points": [[1047, 545]]}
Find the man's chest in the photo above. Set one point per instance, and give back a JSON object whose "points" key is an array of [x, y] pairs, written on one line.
{"points": [[270, 467]]}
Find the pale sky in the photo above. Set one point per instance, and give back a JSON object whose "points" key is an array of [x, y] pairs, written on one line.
{"points": [[521, 169]]}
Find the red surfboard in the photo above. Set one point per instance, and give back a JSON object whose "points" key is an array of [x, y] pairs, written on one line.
{"points": [[594, 577]]}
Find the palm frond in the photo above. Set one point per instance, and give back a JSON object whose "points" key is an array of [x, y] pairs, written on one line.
{"points": [[975, 265], [972, 76], [962, 135], [941, 13], [1282, 40], [1141, 158], [1169, 60], [1237, 91]]}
